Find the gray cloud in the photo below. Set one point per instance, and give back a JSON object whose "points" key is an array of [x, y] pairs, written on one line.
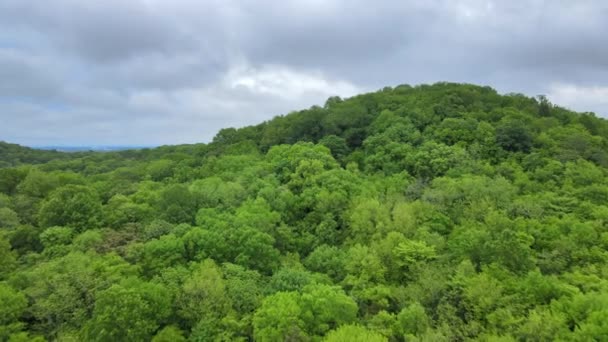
{"points": [[157, 72], [102, 31]]}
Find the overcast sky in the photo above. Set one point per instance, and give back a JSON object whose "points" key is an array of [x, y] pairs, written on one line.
{"points": [[149, 72]]}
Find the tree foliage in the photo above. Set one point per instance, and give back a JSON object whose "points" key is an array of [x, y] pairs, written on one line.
{"points": [[443, 212]]}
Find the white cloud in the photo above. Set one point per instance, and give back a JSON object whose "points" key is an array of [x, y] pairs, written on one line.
{"points": [[287, 83], [472, 9], [581, 98]]}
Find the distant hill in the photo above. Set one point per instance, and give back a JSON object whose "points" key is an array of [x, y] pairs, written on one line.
{"points": [[91, 148], [13, 155]]}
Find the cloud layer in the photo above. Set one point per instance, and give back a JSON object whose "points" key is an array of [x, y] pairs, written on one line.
{"points": [[164, 72]]}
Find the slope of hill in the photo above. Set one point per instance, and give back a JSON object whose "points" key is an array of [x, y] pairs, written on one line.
{"points": [[91, 148], [13, 155], [443, 212]]}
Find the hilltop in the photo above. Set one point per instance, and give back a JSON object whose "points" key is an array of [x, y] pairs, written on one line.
{"points": [[444, 212]]}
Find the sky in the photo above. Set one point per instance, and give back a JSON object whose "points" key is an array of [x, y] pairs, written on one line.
{"points": [[152, 72]]}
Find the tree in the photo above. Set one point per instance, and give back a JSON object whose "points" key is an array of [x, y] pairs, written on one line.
{"points": [[8, 218], [169, 334], [177, 204], [88, 240], [337, 145], [25, 238], [354, 333], [544, 325], [10, 179], [325, 307], [203, 295], [278, 319], [369, 220], [514, 136], [160, 169], [120, 210], [244, 287], [410, 252], [290, 279], [166, 251], [73, 206], [38, 184], [327, 260], [544, 106], [12, 307], [434, 159], [295, 316], [285, 159], [8, 257], [213, 192], [130, 311], [56, 240], [63, 291]]}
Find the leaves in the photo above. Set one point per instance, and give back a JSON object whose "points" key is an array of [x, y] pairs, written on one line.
{"points": [[443, 212]]}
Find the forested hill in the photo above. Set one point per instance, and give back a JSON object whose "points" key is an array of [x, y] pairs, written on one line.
{"points": [[13, 155], [442, 212]]}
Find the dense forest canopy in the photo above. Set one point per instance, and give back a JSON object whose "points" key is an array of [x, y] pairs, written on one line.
{"points": [[443, 212]]}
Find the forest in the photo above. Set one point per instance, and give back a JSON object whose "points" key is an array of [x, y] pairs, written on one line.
{"points": [[443, 212]]}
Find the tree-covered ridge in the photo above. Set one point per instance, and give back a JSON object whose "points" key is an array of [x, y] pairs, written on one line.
{"points": [[440, 212], [13, 155]]}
